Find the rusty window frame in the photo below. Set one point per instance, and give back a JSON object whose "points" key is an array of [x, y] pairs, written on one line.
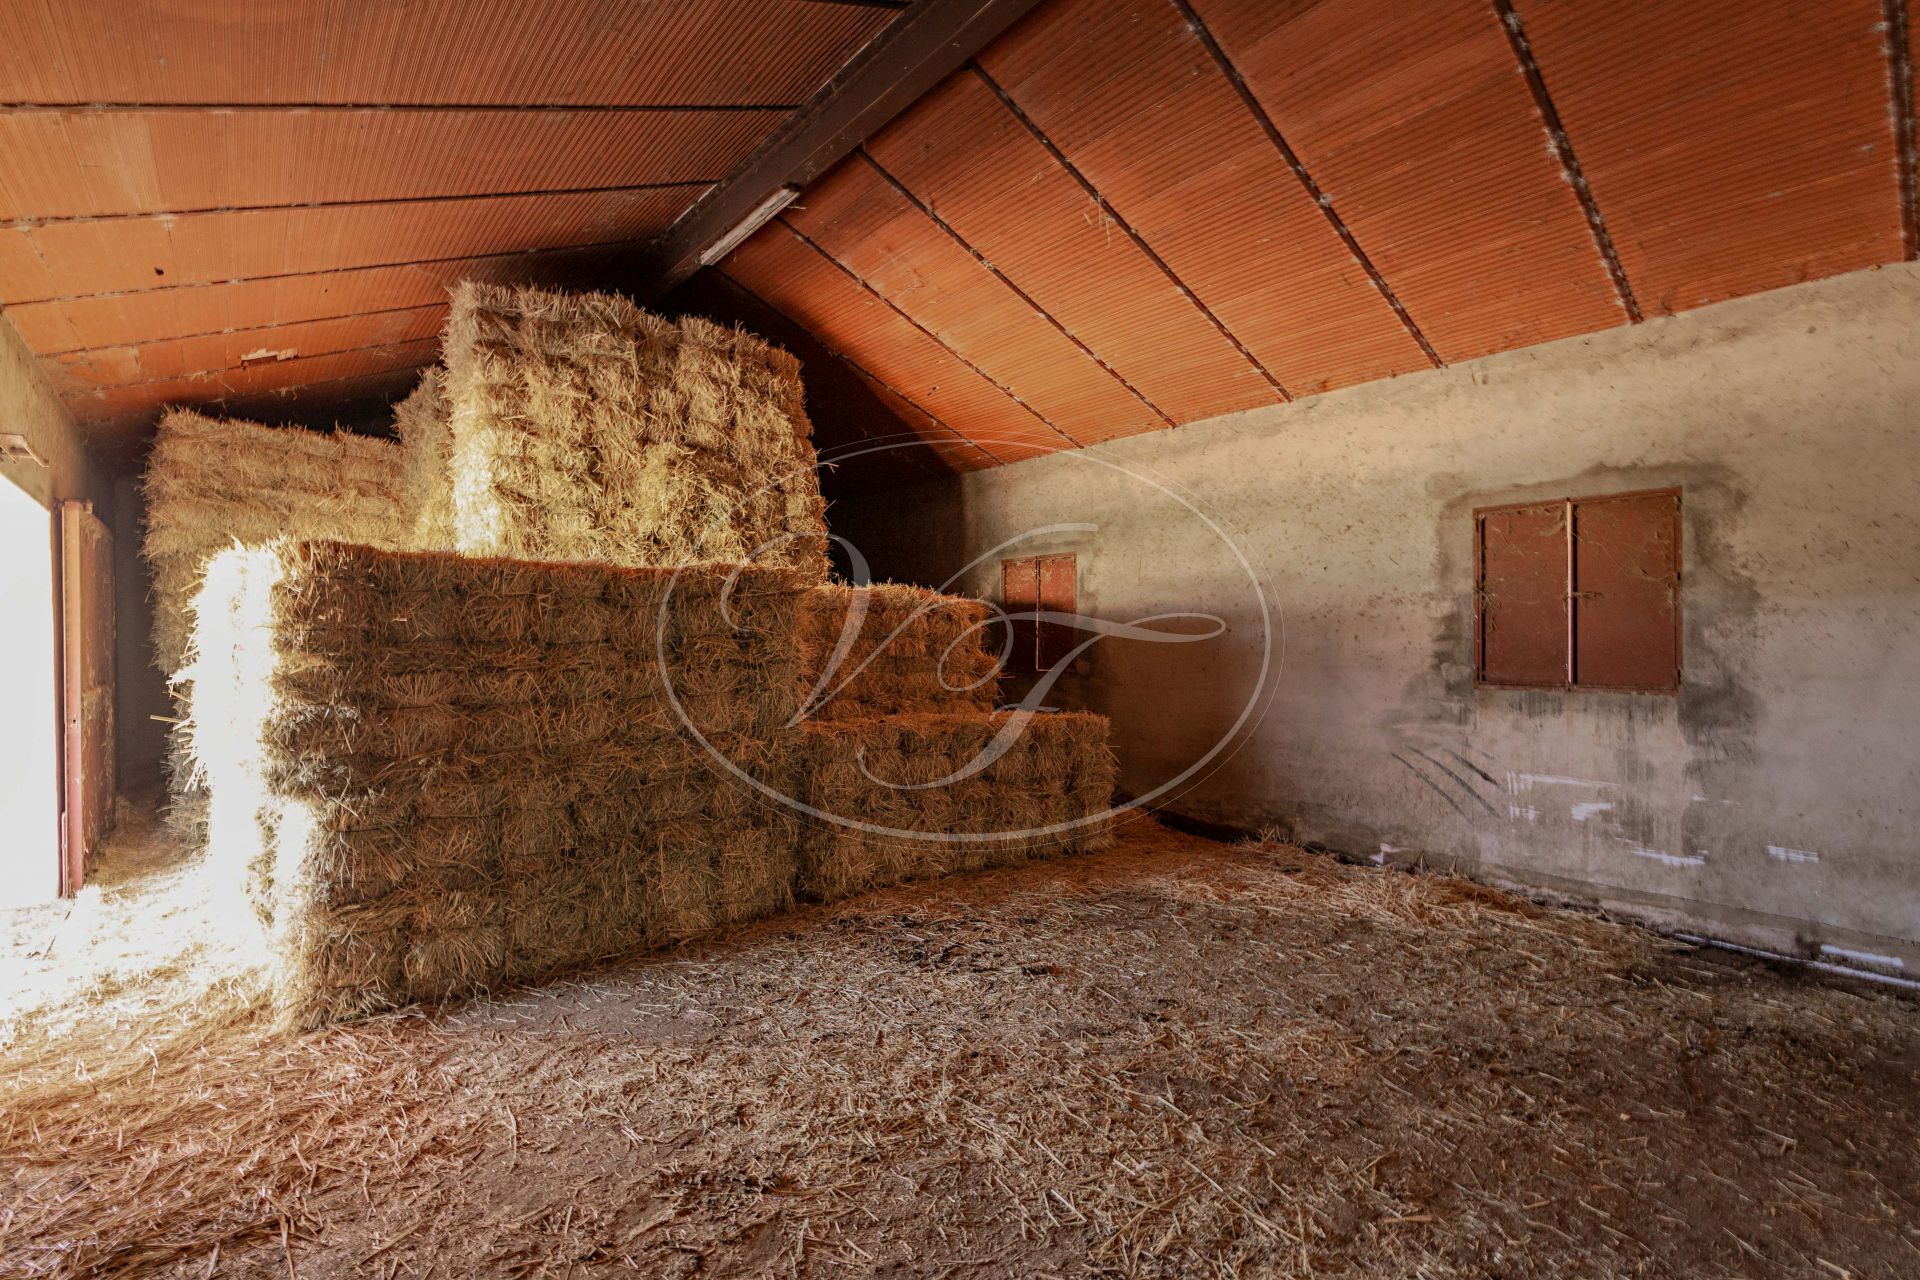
{"points": [[1572, 594]]}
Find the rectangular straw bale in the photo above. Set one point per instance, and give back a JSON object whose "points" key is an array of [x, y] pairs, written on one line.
{"points": [[426, 444], [1047, 793], [907, 651], [211, 483], [583, 428]]}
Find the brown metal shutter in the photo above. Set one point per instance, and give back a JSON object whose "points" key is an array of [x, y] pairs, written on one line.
{"points": [[1626, 578], [1522, 601], [1057, 582]]}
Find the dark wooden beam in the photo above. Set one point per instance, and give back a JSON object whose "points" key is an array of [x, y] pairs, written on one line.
{"points": [[916, 51]]}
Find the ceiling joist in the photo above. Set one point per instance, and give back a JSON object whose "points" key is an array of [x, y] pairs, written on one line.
{"points": [[919, 49]]}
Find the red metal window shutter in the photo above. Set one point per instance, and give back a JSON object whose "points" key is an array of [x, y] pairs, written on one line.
{"points": [[1626, 591], [1020, 593], [1521, 605], [1057, 589]]}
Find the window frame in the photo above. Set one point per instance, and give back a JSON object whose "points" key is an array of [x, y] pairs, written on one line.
{"points": [[1571, 521]]}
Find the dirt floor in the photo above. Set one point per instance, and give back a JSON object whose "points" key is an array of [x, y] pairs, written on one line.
{"points": [[1179, 1059]]}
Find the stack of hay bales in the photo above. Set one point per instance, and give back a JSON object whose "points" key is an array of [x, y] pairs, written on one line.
{"points": [[438, 769], [583, 428], [908, 771], [489, 770], [915, 796], [213, 484]]}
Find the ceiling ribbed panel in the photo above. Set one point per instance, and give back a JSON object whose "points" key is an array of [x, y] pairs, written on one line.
{"points": [[779, 269], [241, 351], [316, 404], [67, 258], [63, 165], [1732, 145], [1417, 123], [438, 51], [878, 234], [149, 315], [110, 404], [963, 152], [1138, 104], [1124, 214], [307, 170]]}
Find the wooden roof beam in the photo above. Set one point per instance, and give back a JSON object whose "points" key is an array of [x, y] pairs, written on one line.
{"points": [[916, 51]]}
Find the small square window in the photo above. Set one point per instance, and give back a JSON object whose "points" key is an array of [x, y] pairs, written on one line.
{"points": [[1579, 593]]}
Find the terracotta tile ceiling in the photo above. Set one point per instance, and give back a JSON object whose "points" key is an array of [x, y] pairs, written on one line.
{"points": [[1138, 214], [1124, 215], [263, 204]]}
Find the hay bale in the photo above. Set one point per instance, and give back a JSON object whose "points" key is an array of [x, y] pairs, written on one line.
{"points": [[908, 777], [584, 428], [890, 649], [212, 483], [459, 772], [426, 444]]}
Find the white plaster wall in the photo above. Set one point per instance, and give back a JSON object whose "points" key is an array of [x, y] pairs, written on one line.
{"points": [[1774, 801], [28, 407]]}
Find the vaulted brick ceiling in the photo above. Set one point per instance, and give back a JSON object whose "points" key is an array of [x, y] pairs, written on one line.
{"points": [[1123, 215], [1128, 216]]}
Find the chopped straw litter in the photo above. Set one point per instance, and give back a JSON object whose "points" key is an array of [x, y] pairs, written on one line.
{"points": [[587, 429], [1174, 1059]]}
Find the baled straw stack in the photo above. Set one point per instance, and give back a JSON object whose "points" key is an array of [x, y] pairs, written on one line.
{"points": [[477, 771], [587, 429], [889, 649], [212, 484], [1047, 794], [426, 444]]}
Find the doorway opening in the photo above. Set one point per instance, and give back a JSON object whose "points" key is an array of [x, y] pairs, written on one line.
{"points": [[30, 731]]}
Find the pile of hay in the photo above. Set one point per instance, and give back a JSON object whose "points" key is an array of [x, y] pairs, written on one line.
{"points": [[426, 445], [465, 772], [584, 428], [890, 649], [910, 797]]}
